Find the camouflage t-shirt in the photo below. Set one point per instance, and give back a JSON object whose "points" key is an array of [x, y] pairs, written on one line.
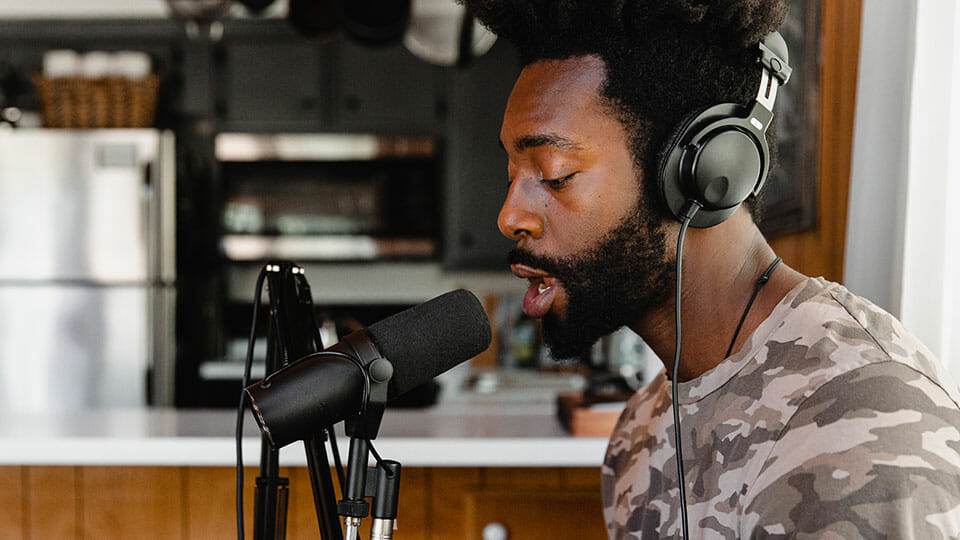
{"points": [[831, 422]]}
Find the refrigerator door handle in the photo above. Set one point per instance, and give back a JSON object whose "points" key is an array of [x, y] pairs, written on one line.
{"points": [[160, 183]]}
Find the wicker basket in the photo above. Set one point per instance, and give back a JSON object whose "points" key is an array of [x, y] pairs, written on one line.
{"points": [[75, 102]]}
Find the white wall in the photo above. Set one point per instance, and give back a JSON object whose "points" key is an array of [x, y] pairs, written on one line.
{"points": [[879, 162], [902, 235]]}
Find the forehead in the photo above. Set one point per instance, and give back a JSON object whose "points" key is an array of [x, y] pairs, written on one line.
{"points": [[555, 96]]}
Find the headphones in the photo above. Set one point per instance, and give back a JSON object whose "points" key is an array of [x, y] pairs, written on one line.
{"points": [[719, 155]]}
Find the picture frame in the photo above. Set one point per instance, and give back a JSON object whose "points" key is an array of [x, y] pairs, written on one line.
{"points": [[788, 201]]}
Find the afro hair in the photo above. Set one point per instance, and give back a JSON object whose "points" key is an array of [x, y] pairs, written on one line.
{"points": [[665, 59]]}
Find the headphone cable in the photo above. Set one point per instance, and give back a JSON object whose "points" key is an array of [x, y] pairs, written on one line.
{"points": [[689, 210], [761, 281]]}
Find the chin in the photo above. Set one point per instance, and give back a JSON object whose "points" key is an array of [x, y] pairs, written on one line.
{"points": [[566, 341]]}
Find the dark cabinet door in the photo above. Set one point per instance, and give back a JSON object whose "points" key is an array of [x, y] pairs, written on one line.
{"points": [[476, 166], [385, 90], [274, 85]]}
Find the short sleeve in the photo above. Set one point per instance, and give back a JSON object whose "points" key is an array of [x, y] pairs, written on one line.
{"points": [[874, 453]]}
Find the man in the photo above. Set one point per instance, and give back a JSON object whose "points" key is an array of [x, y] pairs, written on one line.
{"points": [[815, 415]]}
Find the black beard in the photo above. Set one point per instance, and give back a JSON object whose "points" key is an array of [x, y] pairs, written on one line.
{"points": [[611, 285]]}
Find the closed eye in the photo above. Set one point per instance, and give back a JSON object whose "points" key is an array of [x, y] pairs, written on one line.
{"points": [[556, 183]]}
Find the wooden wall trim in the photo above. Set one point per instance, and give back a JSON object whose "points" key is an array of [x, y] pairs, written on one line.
{"points": [[820, 252]]}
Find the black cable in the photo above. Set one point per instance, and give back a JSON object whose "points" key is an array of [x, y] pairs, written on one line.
{"points": [[243, 399], [761, 281], [689, 211], [376, 456]]}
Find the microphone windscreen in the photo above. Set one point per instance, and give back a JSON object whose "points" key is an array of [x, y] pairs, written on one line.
{"points": [[426, 340]]}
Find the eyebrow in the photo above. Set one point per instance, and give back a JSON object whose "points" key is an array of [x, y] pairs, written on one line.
{"points": [[544, 139]]}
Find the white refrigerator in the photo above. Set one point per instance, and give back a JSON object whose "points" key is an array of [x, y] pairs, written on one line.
{"points": [[87, 269]]}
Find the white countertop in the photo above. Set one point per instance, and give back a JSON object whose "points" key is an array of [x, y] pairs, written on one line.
{"points": [[462, 433]]}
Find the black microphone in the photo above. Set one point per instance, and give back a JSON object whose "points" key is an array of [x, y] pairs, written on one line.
{"points": [[324, 388]]}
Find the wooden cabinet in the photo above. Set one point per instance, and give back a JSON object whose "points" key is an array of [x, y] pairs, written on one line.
{"points": [[13, 511], [199, 503], [526, 503]]}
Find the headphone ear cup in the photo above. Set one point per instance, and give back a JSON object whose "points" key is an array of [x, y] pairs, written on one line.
{"points": [[669, 176], [672, 189], [716, 158]]}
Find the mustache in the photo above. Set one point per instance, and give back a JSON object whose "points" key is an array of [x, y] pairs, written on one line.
{"points": [[550, 265]]}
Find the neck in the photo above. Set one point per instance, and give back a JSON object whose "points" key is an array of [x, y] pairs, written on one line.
{"points": [[721, 266]]}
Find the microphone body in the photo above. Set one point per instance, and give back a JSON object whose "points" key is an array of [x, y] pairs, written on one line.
{"points": [[326, 387]]}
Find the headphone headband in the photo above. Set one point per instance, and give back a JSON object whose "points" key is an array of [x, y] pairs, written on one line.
{"points": [[775, 57], [719, 156]]}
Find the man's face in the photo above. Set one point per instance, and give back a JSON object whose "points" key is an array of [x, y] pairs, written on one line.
{"points": [[592, 251]]}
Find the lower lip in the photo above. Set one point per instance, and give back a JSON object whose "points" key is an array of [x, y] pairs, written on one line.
{"points": [[536, 304]]}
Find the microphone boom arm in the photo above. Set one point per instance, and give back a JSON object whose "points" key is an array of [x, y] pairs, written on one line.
{"points": [[294, 348], [292, 333], [384, 360]]}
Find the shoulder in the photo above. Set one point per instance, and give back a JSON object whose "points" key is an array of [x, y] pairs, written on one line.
{"points": [[857, 322], [874, 452], [868, 321], [883, 406], [828, 331]]}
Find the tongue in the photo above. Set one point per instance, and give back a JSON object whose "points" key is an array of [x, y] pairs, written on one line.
{"points": [[536, 304]]}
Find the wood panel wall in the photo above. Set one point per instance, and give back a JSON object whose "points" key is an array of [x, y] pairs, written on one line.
{"points": [[819, 252]]}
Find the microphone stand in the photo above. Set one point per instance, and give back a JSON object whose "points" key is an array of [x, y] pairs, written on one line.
{"points": [[292, 333]]}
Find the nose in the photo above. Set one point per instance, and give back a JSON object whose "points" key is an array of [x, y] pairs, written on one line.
{"points": [[517, 218]]}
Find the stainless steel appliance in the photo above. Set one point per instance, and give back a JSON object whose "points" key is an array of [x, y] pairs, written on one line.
{"points": [[333, 202], [329, 196], [86, 268]]}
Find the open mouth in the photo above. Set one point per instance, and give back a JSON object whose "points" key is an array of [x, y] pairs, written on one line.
{"points": [[539, 297]]}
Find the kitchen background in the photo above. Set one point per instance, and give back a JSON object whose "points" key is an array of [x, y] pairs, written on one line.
{"points": [[127, 257], [363, 148]]}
